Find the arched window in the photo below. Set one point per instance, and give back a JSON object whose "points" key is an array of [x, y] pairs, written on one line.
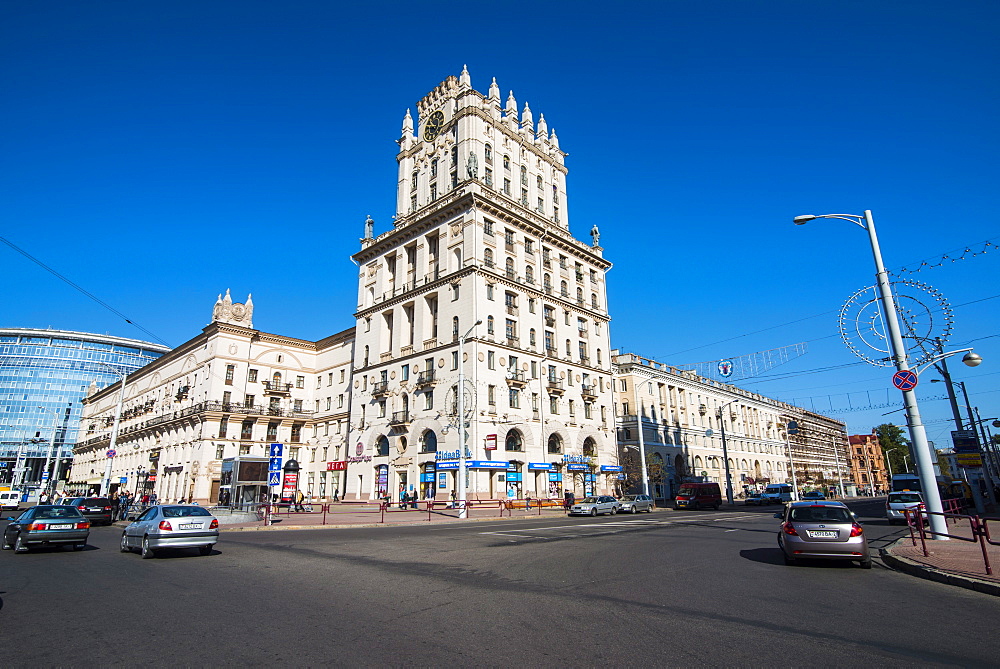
{"points": [[510, 268], [531, 336], [569, 348], [697, 462], [488, 257], [382, 445], [547, 283], [366, 357], [524, 175], [428, 442], [506, 162], [563, 289], [413, 181], [490, 323], [593, 300], [276, 380], [529, 274], [406, 404], [489, 154], [513, 442], [579, 295], [555, 444], [598, 357], [434, 168], [589, 447], [454, 327]]}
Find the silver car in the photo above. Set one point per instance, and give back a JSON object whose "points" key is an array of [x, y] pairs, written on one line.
{"points": [[591, 506], [897, 503], [171, 526], [824, 530], [635, 504]]}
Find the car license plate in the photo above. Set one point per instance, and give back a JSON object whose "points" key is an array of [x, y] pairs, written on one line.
{"points": [[191, 526], [822, 534], [95, 509], [62, 527]]}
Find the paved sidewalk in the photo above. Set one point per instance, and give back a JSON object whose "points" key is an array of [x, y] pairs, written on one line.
{"points": [[954, 562]]}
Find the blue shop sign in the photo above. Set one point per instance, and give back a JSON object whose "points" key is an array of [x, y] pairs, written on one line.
{"points": [[447, 465], [555, 476], [611, 468], [578, 468], [513, 476], [487, 464], [427, 478], [442, 480], [540, 466]]}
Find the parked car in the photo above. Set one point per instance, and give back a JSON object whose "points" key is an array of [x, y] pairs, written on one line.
{"points": [[813, 495], [635, 504], [591, 506], [698, 496], [896, 504], [756, 499], [171, 526], [778, 493], [825, 530], [46, 525], [95, 509]]}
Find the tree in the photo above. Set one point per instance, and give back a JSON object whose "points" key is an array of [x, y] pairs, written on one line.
{"points": [[895, 445]]}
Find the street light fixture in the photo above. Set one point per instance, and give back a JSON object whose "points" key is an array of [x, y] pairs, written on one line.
{"points": [[890, 315], [725, 451], [463, 512]]}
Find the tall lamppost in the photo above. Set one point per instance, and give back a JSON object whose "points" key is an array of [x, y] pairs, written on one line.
{"points": [[460, 392], [890, 317], [791, 427], [725, 451], [106, 479]]}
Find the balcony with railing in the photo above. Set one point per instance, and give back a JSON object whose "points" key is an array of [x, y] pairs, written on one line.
{"points": [[588, 391], [516, 379], [272, 388], [554, 387], [425, 378], [380, 388], [400, 418]]}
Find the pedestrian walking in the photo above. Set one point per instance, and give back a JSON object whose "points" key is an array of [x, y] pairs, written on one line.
{"points": [[527, 503], [336, 494], [152, 499], [115, 502], [123, 504], [299, 496]]}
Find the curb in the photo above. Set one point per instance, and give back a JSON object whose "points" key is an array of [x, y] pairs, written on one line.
{"points": [[913, 568]]}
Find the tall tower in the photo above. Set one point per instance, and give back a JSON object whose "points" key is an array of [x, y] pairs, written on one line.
{"points": [[481, 233]]}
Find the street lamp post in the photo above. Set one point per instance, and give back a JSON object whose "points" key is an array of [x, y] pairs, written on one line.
{"points": [[106, 479], [792, 427], [460, 392], [642, 450], [890, 317], [725, 451]]}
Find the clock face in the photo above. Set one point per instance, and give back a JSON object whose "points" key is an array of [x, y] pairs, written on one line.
{"points": [[434, 125]]}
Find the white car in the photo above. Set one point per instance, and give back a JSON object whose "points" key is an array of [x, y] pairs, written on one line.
{"points": [[897, 503], [591, 506], [635, 504], [171, 526]]}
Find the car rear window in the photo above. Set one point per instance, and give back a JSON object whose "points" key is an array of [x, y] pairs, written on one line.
{"points": [[905, 497], [820, 514], [95, 501], [58, 512], [184, 511]]}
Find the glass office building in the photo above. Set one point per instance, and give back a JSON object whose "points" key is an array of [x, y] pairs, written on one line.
{"points": [[44, 376]]}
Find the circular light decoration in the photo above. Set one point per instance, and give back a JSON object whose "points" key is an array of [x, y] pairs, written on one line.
{"points": [[924, 317]]}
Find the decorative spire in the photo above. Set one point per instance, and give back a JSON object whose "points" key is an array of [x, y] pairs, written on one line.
{"points": [[553, 139], [465, 79], [407, 124], [511, 109], [543, 127], [494, 91], [526, 119]]}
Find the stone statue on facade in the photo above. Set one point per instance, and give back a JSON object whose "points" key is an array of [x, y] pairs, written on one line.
{"points": [[596, 236], [472, 167], [369, 227]]}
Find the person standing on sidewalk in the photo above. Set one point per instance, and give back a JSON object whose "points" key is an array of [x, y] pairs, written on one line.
{"points": [[124, 502]]}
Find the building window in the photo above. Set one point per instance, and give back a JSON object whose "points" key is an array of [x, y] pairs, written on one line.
{"points": [[429, 400], [489, 324], [506, 187], [506, 162], [250, 401], [531, 336], [529, 274], [529, 246], [300, 382], [491, 395], [489, 291], [553, 405], [454, 359], [491, 360], [297, 406], [252, 376], [524, 175], [434, 168], [510, 329], [272, 431], [405, 374], [488, 154], [488, 227], [434, 192], [230, 371], [488, 177], [514, 397], [488, 257]]}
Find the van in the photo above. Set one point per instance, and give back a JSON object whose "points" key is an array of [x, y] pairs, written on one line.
{"points": [[698, 496], [9, 499], [777, 493]]}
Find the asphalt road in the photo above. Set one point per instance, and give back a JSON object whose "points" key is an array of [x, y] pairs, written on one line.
{"points": [[669, 588]]}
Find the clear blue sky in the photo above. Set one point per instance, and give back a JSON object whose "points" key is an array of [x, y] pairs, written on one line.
{"points": [[158, 153]]}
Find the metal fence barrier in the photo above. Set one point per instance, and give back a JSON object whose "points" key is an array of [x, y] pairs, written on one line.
{"points": [[916, 520]]}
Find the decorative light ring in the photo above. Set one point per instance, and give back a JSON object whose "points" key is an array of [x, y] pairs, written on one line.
{"points": [[924, 318]]}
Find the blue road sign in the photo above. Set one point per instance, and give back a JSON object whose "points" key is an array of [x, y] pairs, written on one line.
{"points": [[276, 450], [45, 476], [274, 478], [904, 380], [274, 465], [122, 480]]}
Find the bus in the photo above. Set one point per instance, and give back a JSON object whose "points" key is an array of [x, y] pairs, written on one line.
{"points": [[946, 488]]}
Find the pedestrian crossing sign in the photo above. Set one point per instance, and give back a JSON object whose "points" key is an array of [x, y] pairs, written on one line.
{"points": [[273, 478]]}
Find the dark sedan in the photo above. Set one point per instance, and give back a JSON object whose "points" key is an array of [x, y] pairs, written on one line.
{"points": [[46, 525], [96, 509]]}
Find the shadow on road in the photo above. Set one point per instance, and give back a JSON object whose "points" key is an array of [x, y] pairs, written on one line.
{"points": [[765, 555]]}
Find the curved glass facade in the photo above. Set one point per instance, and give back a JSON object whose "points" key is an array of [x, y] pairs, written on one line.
{"points": [[44, 375]]}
